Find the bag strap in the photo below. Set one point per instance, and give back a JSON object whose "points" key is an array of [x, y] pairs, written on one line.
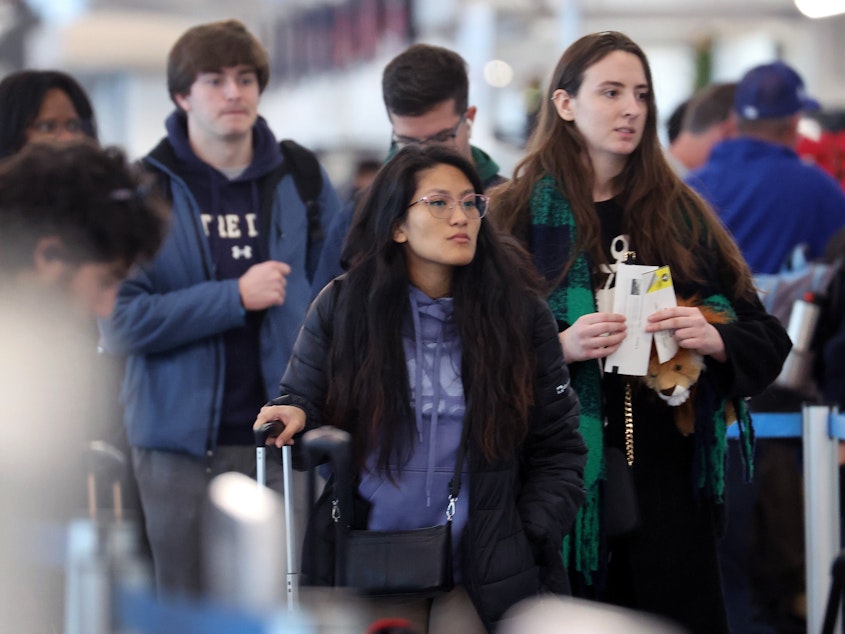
{"points": [[455, 482], [305, 169], [304, 166]]}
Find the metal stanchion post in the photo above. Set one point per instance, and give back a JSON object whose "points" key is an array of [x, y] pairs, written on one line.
{"points": [[821, 509]]}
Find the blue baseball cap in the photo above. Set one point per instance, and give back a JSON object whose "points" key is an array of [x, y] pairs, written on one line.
{"points": [[772, 91]]}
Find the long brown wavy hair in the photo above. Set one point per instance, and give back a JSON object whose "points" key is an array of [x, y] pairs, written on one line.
{"points": [[667, 221]]}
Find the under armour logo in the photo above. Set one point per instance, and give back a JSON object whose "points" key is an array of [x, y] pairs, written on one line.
{"points": [[560, 389], [242, 252]]}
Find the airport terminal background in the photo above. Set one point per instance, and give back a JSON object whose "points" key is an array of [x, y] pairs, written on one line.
{"points": [[327, 57]]}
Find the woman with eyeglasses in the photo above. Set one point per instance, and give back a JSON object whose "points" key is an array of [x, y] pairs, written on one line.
{"points": [[43, 105], [438, 325], [595, 190]]}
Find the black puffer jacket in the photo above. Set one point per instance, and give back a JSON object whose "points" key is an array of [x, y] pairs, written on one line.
{"points": [[520, 507]]}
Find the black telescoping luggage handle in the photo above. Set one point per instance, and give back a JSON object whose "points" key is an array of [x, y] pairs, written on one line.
{"points": [[328, 443], [270, 429], [106, 461]]}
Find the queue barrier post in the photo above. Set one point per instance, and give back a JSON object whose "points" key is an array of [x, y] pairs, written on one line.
{"points": [[821, 435]]}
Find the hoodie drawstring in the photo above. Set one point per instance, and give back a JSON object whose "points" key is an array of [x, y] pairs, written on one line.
{"points": [[436, 387]]}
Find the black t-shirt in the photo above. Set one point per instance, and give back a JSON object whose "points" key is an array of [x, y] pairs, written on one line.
{"points": [[610, 216]]}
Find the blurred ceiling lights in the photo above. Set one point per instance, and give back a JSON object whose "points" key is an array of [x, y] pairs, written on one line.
{"points": [[820, 8]]}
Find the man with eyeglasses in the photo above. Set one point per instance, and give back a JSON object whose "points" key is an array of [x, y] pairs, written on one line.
{"points": [[426, 92], [444, 137]]}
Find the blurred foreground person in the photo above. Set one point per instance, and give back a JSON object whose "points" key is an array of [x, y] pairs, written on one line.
{"points": [[73, 220], [567, 615]]}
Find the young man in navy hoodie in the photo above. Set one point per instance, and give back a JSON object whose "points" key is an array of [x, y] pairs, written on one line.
{"points": [[208, 326]]}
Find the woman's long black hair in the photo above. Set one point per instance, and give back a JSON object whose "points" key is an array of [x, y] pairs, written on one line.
{"points": [[369, 391]]}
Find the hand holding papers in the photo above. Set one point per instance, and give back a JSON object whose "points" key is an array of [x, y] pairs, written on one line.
{"points": [[640, 291]]}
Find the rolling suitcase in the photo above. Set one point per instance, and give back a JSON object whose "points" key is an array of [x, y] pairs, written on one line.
{"points": [[271, 430]]}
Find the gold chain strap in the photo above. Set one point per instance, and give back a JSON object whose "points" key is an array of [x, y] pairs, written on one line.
{"points": [[629, 426]]}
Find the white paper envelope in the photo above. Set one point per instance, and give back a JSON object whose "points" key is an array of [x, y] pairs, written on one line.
{"points": [[631, 357]]}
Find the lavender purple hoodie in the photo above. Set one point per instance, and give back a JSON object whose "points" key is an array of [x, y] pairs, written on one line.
{"points": [[419, 495]]}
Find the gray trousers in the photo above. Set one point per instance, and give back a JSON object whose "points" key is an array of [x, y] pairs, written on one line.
{"points": [[173, 489]]}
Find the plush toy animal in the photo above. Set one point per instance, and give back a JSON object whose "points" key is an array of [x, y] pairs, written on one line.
{"points": [[674, 380]]}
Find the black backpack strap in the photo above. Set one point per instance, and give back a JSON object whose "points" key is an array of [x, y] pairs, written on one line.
{"points": [[162, 153], [305, 169], [162, 180]]}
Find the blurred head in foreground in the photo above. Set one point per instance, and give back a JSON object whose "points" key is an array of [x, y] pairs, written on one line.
{"points": [[73, 219], [567, 615]]}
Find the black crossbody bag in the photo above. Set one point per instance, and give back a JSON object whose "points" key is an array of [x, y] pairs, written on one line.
{"points": [[416, 562]]}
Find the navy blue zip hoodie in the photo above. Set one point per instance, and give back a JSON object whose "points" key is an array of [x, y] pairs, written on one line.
{"points": [[230, 212]]}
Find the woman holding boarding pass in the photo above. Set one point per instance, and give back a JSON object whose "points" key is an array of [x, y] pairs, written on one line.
{"points": [[594, 178], [432, 329]]}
